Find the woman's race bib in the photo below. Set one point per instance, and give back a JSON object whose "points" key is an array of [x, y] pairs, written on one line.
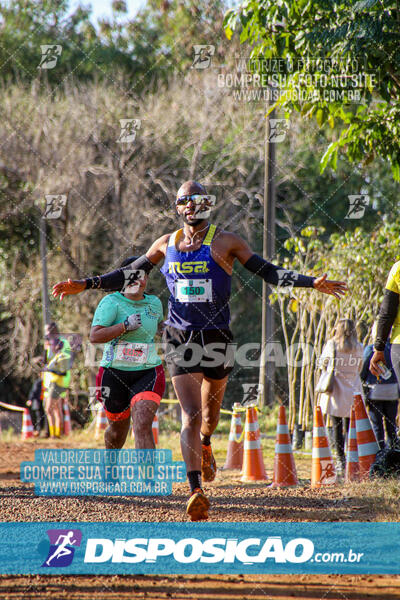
{"points": [[193, 290], [131, 352]]}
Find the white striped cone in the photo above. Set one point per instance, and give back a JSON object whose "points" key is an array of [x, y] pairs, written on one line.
{"points": [[323, 469], [27, 427], [366, 440], [253, 462], [101, 421], [352, 466], [284, 466], [234, 455], [67, 417], [154, 429]]}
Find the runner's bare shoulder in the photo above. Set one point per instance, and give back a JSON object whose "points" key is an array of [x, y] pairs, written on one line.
{"points": [[158, 248], [227, 238]]}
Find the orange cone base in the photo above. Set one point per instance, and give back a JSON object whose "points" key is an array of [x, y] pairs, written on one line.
{"points": [[234, 457], [322, 477], [249, 478], [283, 485], [257, 464]]}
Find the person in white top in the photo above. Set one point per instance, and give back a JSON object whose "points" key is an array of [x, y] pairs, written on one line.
{"points": [[348, 361]]}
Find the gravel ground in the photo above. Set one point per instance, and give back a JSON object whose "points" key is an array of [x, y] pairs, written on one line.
{"points": [[231, 501]]}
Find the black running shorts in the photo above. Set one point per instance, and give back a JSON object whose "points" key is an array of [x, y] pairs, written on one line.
{"points": [[117, 390], [208, 351]]}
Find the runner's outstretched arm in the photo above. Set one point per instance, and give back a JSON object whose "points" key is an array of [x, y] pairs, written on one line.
{"points": [[387, 316], [115, 280], [275, 275]]}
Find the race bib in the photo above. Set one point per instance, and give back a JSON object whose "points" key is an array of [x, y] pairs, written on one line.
{"points": [[193, 290], [131, 352]]}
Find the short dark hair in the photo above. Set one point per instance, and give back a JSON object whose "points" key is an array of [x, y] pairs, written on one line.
{"points": [[52, 327]]}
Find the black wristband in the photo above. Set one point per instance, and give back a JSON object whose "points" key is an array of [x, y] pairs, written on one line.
{"points": [[93, 282]]}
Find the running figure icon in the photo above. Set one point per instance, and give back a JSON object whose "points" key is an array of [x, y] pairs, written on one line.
{"points": [[62, 546]]}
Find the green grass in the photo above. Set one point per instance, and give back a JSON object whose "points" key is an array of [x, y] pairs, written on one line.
{"points": [[267, 419]]}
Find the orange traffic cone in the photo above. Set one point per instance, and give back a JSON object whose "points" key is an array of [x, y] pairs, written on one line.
{"points": [[366, 441], [352, 467], [27, 427], [253, 462], [234, 455], [154, 429], [67, 417], [284, 467], [323, 469], [101, 421]]}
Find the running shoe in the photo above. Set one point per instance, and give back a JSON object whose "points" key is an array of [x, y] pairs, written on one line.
{"points": [[198, 505], [208, 464]]}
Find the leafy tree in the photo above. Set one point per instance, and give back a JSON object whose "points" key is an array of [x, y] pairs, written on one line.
{"points": [[310, 318], [357, 40], [136, 53]]}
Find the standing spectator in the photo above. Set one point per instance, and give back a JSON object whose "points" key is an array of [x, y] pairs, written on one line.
{"points": [[35, 405], [389, 319], [56, 376], [381, 396], [348, 353]]}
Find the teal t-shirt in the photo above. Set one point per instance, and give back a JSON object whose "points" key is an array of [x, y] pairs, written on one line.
{"points": [[134, 350]]}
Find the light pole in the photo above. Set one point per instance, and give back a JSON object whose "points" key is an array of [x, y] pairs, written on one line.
{"points": [[43, 260], [267, 370]]}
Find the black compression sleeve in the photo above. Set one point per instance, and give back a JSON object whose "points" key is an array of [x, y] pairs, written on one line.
{"points": [[277, 275], [387, 315], [115, 280]]}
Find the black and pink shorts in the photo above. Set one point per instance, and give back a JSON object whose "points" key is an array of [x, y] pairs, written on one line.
{"points": [[118, 390]]}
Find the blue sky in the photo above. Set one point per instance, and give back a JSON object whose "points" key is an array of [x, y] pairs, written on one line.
{"points": [[102, 8]]}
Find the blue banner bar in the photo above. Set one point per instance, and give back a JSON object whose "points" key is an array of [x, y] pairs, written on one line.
{"points": [[190, 548]]}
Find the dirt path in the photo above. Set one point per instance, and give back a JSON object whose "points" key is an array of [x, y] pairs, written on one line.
{"points": [[231, 501], [195, 587]]}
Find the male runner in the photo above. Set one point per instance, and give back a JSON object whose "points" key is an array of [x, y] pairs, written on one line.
{"points": [[198, 264]]}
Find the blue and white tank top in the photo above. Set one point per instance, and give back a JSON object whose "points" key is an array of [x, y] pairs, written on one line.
{"points": [[200, 288]]}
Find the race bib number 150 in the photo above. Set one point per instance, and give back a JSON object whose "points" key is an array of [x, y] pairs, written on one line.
{"points": [[193, 290]]}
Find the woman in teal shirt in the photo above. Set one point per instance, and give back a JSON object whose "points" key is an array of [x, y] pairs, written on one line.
{"points": [[131, 377]]}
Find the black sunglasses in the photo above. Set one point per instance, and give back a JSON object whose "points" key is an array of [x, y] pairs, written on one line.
{"points": [[196, 198]]}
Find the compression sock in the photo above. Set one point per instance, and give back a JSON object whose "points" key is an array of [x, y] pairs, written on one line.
{"points": [[205, 440], [57, 430], [194, 480], [51, 430]]}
